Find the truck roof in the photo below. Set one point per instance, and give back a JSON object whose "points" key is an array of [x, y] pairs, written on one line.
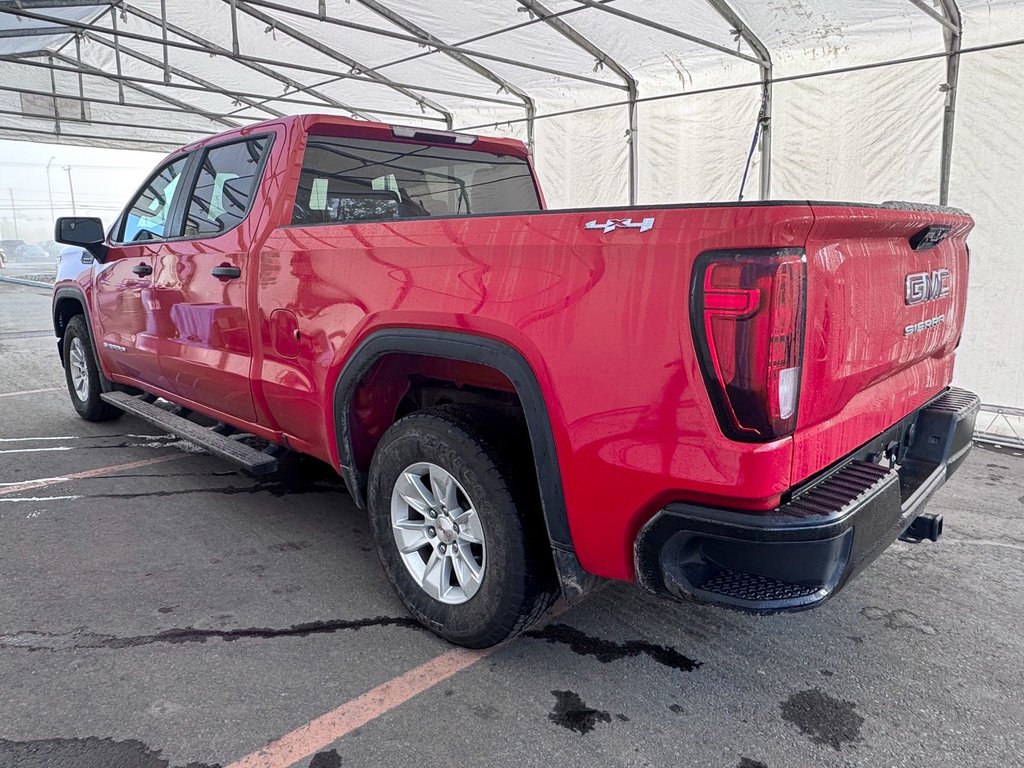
{"points": [[335, 125]]}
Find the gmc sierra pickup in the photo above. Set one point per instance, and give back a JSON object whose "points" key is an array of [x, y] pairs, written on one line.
{"points": [[740, 404]]}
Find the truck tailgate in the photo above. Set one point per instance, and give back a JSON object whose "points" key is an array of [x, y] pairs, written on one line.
{"points": [[885, 309]]}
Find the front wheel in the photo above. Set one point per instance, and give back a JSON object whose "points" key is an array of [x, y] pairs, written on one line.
{"points": [[83, 374], [456, 546]]}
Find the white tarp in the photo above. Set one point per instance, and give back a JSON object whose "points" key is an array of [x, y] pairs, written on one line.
{"points": [[868, 135]]}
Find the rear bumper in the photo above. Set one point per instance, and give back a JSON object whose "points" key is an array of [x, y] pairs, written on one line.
{"points": [[804, 551]]}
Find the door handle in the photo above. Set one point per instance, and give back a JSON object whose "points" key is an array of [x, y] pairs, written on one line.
{"points": [[142, 270], [226, 272]]}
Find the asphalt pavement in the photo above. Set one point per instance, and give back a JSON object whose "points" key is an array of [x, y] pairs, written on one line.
{"points": [[159, 609]]}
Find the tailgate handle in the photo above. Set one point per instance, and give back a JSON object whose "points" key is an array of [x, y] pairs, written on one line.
{"points": [[227, 272]]}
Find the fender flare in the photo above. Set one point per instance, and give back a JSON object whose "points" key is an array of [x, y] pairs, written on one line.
{"points": [[574, 580]]}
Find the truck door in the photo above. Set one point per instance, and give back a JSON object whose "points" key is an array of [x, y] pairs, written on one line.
{"points": [[125, 315], [206, 347]]}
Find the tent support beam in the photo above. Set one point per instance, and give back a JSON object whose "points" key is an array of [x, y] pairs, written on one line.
{"points": [[81, 80], [52, 94], [132, 53], [952, 28], [419, 41], [478, 38], [944, 18], [117, 53], [954, 41], [503, 85], [25, 59], [118, 123], [53, 91], [332, 53], [35, 31], [105, 141], [52, 4], [235, 47], [212, 47], [632, 91], [729, 14], [668, 30], [257, 63], [88, 68], [163, 32]]}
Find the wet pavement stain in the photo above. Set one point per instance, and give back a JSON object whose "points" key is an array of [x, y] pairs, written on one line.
{"points": [[746, 762], [80, 639], [828, 721], [899, 618], [90, 752], [607, 651], [570, 712], [326, 759], [277, 490]]}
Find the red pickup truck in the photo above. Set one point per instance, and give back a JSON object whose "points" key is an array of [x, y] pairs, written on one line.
{"points": [[741, 404]]}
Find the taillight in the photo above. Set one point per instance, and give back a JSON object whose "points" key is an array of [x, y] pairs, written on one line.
{"points": [[748, 327]]}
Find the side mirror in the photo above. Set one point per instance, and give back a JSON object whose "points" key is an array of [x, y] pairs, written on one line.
{"points": [[85, 232]]}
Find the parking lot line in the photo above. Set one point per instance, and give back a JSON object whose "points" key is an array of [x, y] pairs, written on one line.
{"points": [[30, 391], [331, 726], [45, 482]]}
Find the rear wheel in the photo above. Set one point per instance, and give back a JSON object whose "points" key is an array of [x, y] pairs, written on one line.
{"points": [[451, 532], [83, 374]]}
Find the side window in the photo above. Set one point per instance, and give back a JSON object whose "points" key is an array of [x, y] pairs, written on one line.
{"points": [[224, 188], [147, 215]]}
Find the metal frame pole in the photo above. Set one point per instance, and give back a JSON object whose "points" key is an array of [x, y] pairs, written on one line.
{"points": [[410, 38], [645, 22], [632, 91], [528, 103], [163, 32], [26, 59], [84, 68], [726, 11], [117, 52], [81, 80], [237, 98], [256, 63], [53, 90], [115, 123], [954, 41], [330, 52]]}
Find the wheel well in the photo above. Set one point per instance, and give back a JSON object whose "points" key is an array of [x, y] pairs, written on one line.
{"points": [[65, 309], [400, 383]]}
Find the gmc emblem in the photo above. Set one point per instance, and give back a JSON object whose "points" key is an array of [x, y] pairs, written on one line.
{"points": [[928, 286]]}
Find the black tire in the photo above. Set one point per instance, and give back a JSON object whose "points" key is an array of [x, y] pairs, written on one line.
{"points": [[518, 584], [90, 407]]}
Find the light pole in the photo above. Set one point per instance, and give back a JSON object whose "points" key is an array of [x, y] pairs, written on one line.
{"points": [[71, 186], [49, 188]]}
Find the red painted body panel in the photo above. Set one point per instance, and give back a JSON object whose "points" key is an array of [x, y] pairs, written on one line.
{"points": [[601, 317]]}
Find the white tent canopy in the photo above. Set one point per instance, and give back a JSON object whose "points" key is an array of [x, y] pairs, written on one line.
{"points": [[646, 101]]}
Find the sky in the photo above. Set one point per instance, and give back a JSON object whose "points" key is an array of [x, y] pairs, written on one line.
{"points": [[103, 181]]}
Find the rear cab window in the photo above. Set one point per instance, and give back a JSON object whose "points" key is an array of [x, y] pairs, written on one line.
{"points": [[346, 180]]}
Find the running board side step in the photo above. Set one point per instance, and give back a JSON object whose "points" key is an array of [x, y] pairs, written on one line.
{"points": [[253, 461]]}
